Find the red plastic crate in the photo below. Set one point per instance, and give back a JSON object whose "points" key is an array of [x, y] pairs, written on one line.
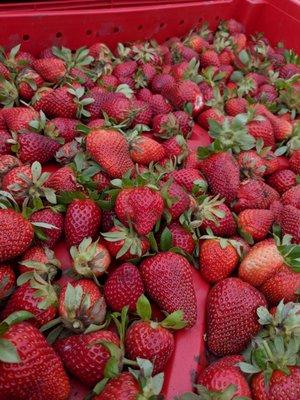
{"points": [[77, 23]]}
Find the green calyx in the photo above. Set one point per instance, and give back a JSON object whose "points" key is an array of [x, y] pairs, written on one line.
{"points": [[205, 394], [192, 71], [151, 386], [8, 352], [169, 129], [80, 101], [289, 252], [44, 291], [9, 95]]}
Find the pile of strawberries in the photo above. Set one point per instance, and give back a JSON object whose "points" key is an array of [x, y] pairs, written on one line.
{"points": [[120, 173]]}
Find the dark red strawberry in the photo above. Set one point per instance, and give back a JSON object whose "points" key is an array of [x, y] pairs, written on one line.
{"points": [[49, 216], [282, 180], [122, 387], [51, 69], [36, 147], [181, 238], [63, 180], [255, 223]]}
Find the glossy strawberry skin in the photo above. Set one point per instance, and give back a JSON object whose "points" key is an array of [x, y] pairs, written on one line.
{"points": [[189, 178], [282, 180], [172, 271], [256, 223], [36, 147], [47, 215], [15, 176], [181, 237], [63, 180], [18, 118], [14, 242], [294, 162], [145, 150], [39, 375], [123, 287], [82, 220], [34, 253], [51, 69], [225, 226], [290, 222], [83, 357], [7, 280], [122, 387], [231, 316], [180, 200], [146, 339], [292, 197]]}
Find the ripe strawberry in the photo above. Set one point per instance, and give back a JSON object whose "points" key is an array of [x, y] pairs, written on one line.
{"points": [[82, 219], [101, 180], [5, 146], [176, 147], [262, 129], [123, 287], [233, 26], [235, 106], [232, 324], [122, 387], [7, 281], [63, 180], [210, 113], [251, 164], [217, 259], [256, 223], [51, 69], [64, 128], [189, 178], [292, 197], [49, 216], [37, 297], [282, 129], [218, 376], [13, 242], [275, 163], [108, 82], [159, 105], [176, 198], [208, 58], [7, 162], [141, 206], [185, 92], [290, 222], [58, 103], [125, 69], [81, 304], [144, 150], [28, 82], [84, 356], [168, 281], [90, 259], [17, 181], [215, 215], [162, 82], [288, 70], [4, 71], [254, 193], [117, 107], [36, 147], [222, 173], [141, 112], [294, 161], [181, 238], [110, 150], [99, 95], [17, 118], [38, 260], [282, 180], [41, 376]]}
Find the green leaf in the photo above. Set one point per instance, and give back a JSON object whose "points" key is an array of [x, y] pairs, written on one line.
{"points": [[8, 352], [152, 241], [166, 239], [248, 368], [100, 386], [244, 57], [143, 308], [17, 317], [68, 197], [174, 320]]}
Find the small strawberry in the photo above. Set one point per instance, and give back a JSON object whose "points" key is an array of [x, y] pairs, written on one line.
{"points": [[176, 198], [275, 163], [20, 373], [185, 93], [162, 82], [49, 216], [168, 281], [181, 237], [159, 105], [191, 179], [28, 82], [110, 150], [176, 147], [208, 58], [122, 387], [152, 340], [282, 180], [7, 162], [7, 281], [255, 223], [14, 242], [64, 128], [289, 222], [251, 164], [118, 108], [210, 113], [123, 287], [83, 218], [84, 356], [51, 69], [262, 129], [232, 324]]}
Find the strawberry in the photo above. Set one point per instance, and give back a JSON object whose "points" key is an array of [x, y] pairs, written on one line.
{"points": [[232, 324], [282, 180], [110, 150], [282, 129], [23, 377], [288, 70], [59, 102], [84, 356], [64, 128], [14, 242], [4, 71], [294, 161], [176, 198], [262, 129], [210, 113], [189, 178], [101, 180], [159, 105], [49, 216], [165, 125], [83, 218], [123, 287], [140, 206], [256, 223], [36, 297], [292, 197], [275, 163], [99, 95], [40, 261], [122, 387], [81, 304], [125, 69], [217, 259], [183, 93], [7, 281], [162, 82], [222, 173], [63, 180], [28, 82], [289, 222], [117, 107], [7, 162], [181, 238], [176, 147], [168, 281], [232, 26], [152, 340], [51, 69], [141, 113], [90, 259], [17, 118], [235, 106], [144, 150], [5, 147], [254, 193], [17, 181], [251, 164], [208, 58], [223, 374]]}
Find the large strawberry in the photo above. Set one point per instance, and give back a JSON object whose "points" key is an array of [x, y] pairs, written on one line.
{"points": [[31, 370], [14, 242], [110, 150], [255, 224], [17, 119], [168, 281], [140, 206], [232, 324], [51, 69]]}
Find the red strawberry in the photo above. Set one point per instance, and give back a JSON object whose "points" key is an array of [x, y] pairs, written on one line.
{"points": [[63, 180], [292, 197], [218, 376], [102, 181], [232, 324], [256, 223], [51, 69], [99, 95], [5, 146], [17, 118], [294, 161], [211, 113], [282, 180], [41, 376], [81, 304], [235, 106], [144, 150], [4, 71], [123, 287], [13, 242], [282, 129], [126, 68], [176, 147], [262, 129], [36, 147], [168, 281], [83, 219], [37, 297], [141, 111], [58, 103], [49, 216], [217, 259], [251, 164], [64, 128], [28, 82], [288, 70], [38, 260], [191, 179], [233, 26], [290, 222], [181, 238], [7, 163], [83, 355], [141, 206], [159, 105], [176, 198], [162, 82], [185, 92], [117, 107], [208, 58], [275, 163], [17, 181], [222, 173], [7, 281], [254, 193], [110, 150], [122, 387]]}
